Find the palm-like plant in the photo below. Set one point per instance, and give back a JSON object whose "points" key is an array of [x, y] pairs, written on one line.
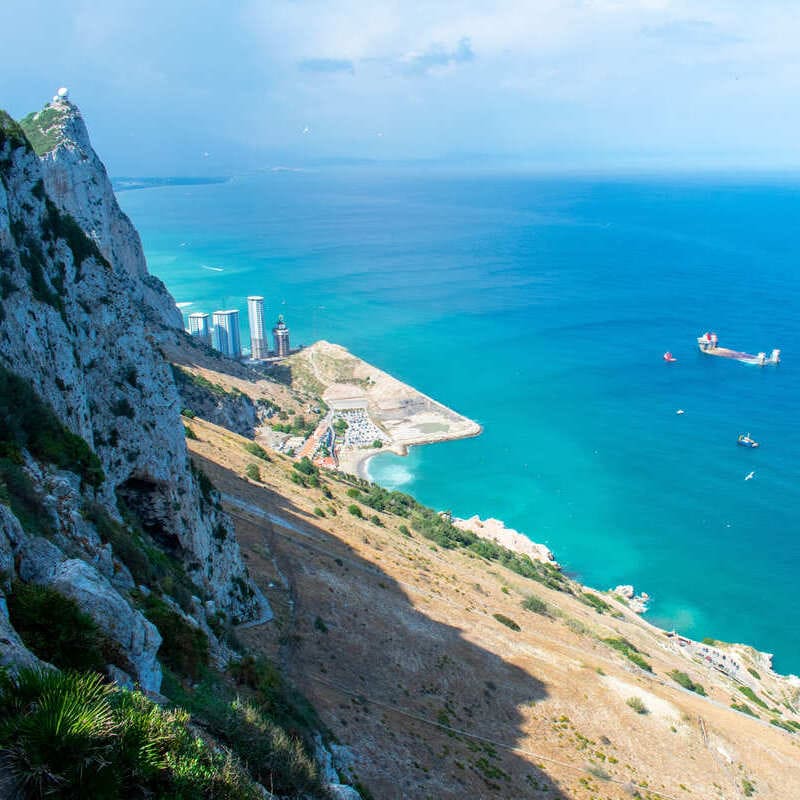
{"points": [[57, 732]]}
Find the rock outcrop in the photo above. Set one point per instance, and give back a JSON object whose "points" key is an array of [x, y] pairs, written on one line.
{"points": [[77, 182]]}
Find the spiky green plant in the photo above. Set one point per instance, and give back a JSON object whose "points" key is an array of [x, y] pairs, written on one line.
{"points": [[56, 733], [69, 735]]}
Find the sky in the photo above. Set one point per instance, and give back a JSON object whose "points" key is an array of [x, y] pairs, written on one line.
{"points": [[172, 87]]}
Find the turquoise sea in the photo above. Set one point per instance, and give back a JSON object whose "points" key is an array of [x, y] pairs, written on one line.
{"points": [[541, 307]]}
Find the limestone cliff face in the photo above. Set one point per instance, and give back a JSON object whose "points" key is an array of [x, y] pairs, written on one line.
{"points": [[75, 321], [77, 182]]}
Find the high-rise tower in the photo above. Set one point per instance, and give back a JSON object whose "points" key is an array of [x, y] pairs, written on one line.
{"points": [[199, 327], [281, 335], [259, 344], [226, 333]]}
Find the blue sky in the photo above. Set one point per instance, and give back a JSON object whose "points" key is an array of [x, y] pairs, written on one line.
{"points": [[177, 87]]}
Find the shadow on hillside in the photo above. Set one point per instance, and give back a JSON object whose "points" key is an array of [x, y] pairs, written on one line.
{"points": [[427, 712]]}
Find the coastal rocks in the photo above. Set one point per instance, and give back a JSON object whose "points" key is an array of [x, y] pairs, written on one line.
{"points": [[496, 531], [636, 603]]}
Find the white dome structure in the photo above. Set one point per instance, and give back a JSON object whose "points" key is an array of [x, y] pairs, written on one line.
{"points": [[62, 95]]}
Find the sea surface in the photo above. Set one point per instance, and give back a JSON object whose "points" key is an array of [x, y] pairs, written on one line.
{"points": [[541, 307]]}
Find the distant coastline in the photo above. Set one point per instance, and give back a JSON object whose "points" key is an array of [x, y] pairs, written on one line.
{"points": [[125, 184]]}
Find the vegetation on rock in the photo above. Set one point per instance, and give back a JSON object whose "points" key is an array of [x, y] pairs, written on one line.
{"points": [[70, 735], [28, 423]]}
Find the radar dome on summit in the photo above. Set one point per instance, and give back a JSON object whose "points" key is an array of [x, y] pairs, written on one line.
{"points": [[62, 95]]}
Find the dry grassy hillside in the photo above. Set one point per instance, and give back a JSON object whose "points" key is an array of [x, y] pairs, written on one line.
{"points": [[397, 643]]}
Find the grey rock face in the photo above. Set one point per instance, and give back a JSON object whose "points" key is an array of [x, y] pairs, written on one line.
{"points": [[41, 562], [13, 653], [77, 181], [77, 324], [136, 635]]}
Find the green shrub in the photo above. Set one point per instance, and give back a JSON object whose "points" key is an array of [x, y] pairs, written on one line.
{"points": [[185, 647], [754, 673], [188, 413], [55, 629], [69, 735], [629, 651], [779, 723], [190, 434], [376, 520], [684, 680], [320, 625], [276, 697], [257, 450], [536, 604], [17, 490], [26, 422], [751, 695], [744, 709], [597, 603], [306, 466], [507, 621], [404, 531], [637, 705], [253, 472], [748, 788], [355, 511], [275, 757], [319, 512]]}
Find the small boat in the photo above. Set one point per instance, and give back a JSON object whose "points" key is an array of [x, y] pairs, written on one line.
{"points": [[669, 357], [745, 440]]}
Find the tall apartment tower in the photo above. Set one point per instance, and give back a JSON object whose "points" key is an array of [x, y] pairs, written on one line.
{"points": [[226, 333], [259, 344], [281, 335], [199, 327]]}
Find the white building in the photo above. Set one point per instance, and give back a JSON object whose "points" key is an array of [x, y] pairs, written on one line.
{"points": [[199, 327], [259, 344], [226, 333]]}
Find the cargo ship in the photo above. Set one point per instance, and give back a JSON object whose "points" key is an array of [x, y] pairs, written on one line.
{"points": [[709, 344]]}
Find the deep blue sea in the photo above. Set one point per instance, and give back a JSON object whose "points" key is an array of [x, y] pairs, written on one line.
{"points": [[541, 307]]}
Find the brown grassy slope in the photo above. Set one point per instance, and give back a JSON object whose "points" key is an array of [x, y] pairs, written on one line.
{"points": [[395, 642]]}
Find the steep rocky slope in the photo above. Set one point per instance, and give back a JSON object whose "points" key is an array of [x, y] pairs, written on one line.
{"points": [[77, 327], [76, 180]]}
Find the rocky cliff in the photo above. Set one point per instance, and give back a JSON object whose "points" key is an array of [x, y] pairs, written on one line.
{"points": [[77, 182], [78, 325]]}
